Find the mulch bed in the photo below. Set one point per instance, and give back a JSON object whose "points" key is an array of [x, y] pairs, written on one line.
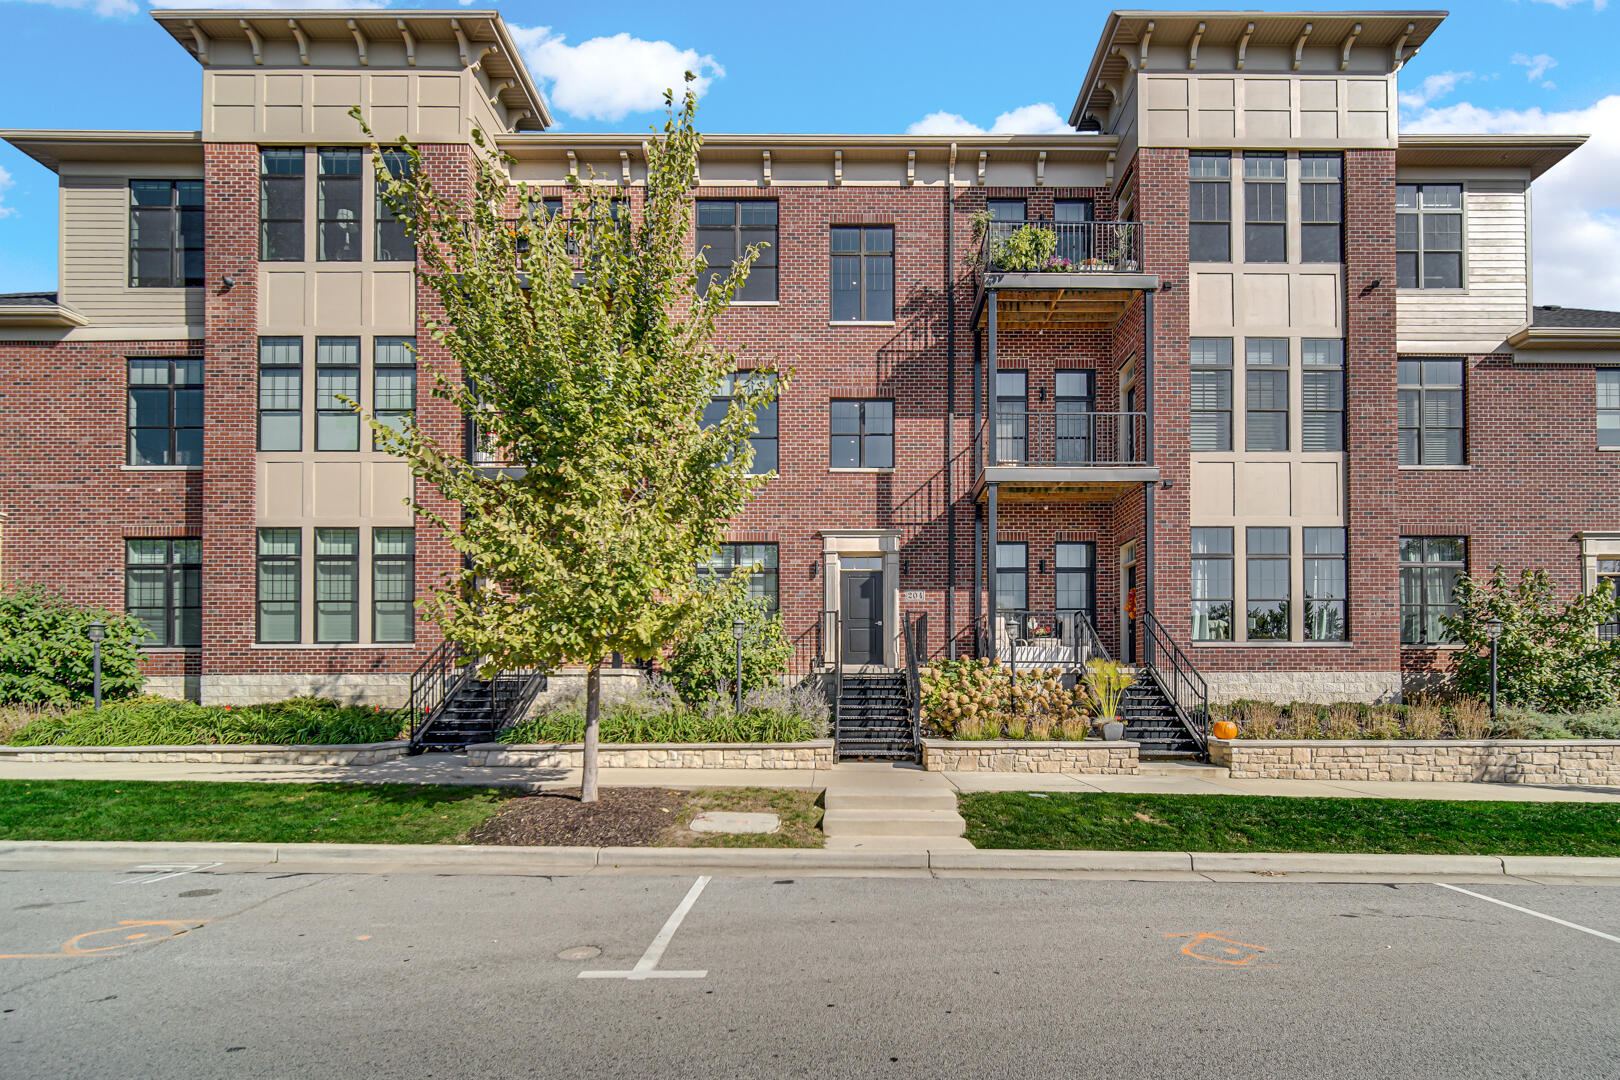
{"points": [[621, 817]]}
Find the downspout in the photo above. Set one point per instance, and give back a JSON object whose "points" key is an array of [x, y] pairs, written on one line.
{"points": [[950, 402], [990, 492], [1149, 488]]}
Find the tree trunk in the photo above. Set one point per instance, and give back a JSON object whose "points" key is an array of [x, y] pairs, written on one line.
{"points": [[593, 716]]}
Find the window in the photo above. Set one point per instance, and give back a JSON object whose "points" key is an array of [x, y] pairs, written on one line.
{"points": [[165, 233], [1428, 236], [1326, 586], [1431, 411], [163, 589], [1608, 409], [393, 584], [394, 244], [281, 393], [393, 382], [280, 592], [760, 560], [764, 439], [1073, 218], [337, 205], [1211, 422], [1211, 584], [337, 585], [1072, 405], [337, 376], [862, 274], [1076, 578], [165, 411], [1267, 563], [1005, 209], [1430, 567], [281, 204], [1012, 577], [1608, 570], [861, 435], [1266, 394], [1209, 218], [1265, 206], [1322, 395], [1012, 416], [1321, 208], [725, 229]]}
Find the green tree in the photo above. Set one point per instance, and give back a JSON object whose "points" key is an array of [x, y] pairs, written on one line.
{"points": [[586, 352], [45, 654], [704, 663], [1549, 657]]}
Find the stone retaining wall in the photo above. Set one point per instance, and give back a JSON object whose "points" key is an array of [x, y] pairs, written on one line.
{"points": [[1022, 756], [1500, 761], [338, 754], [805, 755]]}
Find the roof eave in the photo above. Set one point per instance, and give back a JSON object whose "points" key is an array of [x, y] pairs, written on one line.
{"points": [[53, 315], [1565, 337]]}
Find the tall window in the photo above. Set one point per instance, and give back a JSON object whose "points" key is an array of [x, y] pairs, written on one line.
{"points": [[725, 229], [1428, 236], [1322, 395], [1012, 416], [759, 559], [1431, 411], [1076, 578], [862, 274], [1608, 570], [1321, 207], [1265, 206], [337, 377], [279, 590], [394, 244], [1073, 217], [1608, 408], [281, 204], [1430, 567], [165, 233], [1209, 217], [281, 393], [1266, 397], [165, 411], [1072, 405], [163, 589], [1211, 427], [393, 381], [337, 585], [1005, 209], [1211, 590], [1268, 592], [1327, 587], [393, 584], [763, 440], [861, 435], [337, 205], [1012, 577]]}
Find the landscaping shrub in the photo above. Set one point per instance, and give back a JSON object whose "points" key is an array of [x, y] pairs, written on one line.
{"points": [[1463, 718], [976, 699], [655, 713], [46, 658], [154, 721], [705, 664]]}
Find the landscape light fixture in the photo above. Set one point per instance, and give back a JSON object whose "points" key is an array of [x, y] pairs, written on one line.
{"points": [[1493, 631], [95, 632], [737, 629]]}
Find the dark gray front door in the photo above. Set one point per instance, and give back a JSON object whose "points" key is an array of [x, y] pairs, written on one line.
{"points": [[863, 616]]}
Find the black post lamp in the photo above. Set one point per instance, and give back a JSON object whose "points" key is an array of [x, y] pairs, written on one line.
{"points": [[1493, 631]]}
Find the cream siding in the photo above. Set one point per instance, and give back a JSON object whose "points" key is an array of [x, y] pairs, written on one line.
{"points": [[1495, 298]]}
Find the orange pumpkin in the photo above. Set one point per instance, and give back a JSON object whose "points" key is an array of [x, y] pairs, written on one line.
{"points": [[1225, 729]]}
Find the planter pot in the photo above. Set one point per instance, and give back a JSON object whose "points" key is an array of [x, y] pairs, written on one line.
{"points": [[1113, 730]]}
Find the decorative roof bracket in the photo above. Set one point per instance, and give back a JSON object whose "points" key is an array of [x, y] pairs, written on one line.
{"points": [[1192, 48], [1130, 61], [624, 166], [254, 40], [461, 42], [1401, 56], [1040, 169], [984, 159], [410, 42], [838, 168], [911, 167], [1142, 50], [1299, 46], [1243, 45], [765, 167], [359, 43], [303, 41], [199, 39], [1344, 54], [573, 165]]}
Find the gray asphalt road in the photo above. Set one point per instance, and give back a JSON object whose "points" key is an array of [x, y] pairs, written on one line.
{"points": [[311, 976]]}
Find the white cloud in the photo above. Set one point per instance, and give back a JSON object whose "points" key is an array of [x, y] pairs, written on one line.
{"points": [[1037, 119], [1576, 205], [1535, 66], [1597, 5], [5, 182], [607, 78], [1435, 87], [120, 8]]}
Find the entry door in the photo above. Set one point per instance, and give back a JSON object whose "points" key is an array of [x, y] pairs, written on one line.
{"points": [[1131, 603], [863, 616]]}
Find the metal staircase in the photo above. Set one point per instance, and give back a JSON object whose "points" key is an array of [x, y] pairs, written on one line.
{"points": [[451, 708], [1167, 710], [874, 718]]}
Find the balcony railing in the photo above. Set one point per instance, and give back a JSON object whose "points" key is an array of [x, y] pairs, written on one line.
{"points": [[1061, 247], [1064, 440]]}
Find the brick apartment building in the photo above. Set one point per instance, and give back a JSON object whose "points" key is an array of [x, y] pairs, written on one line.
{"points": [[1280, 382]]}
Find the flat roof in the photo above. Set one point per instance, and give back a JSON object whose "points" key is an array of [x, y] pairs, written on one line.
{"points": [[1538, 153], [51, 147]]}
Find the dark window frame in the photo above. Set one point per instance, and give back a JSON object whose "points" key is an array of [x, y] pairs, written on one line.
{"points": [[1074, 425], [1608, 408], [741, 237], [1413, 217], [296, 369], [766, 417], [1333, 601], [391, 243], [869, 264], [1012, 417], [1209, 206], [1280, 612], [1000, 209], [1086, 573], [271, 250], [1423, 568], [871, 441], [175, 393], [1420, 391], [1265, 207], [1322, 430], [391, 415], [335, 192], [381, 559], [324, 564], [177, 226], [1321, 238], [1007, 573], [181, 570], [327, 407], [262, 562], [1212, 356], [729, 557], [1267, 382], [1206, 609]]}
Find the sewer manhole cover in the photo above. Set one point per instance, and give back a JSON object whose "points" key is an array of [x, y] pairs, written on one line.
{"points": [[580, 952], [726, 821]]}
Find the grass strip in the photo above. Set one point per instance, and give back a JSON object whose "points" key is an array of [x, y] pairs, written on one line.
{"points": [[1123, 822], [800, 812]]}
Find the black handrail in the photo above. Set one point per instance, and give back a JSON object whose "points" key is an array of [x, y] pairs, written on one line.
{"points": [[433, 684], [834, 657], [1177, 677], [513, 692], [914, 630], [1071, 440], [1076, 247]]}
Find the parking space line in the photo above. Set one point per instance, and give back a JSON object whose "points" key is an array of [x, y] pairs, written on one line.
{"points": [[165, 871], [1527, 911], [647, 966]]}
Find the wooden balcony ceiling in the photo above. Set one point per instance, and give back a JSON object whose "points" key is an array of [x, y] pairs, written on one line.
{"points": [[1040, 309]]}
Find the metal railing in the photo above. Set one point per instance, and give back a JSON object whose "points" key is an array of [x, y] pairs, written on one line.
{"points": [[1063, 439], [1609, 631], [1061, 247], [833, 655], [513, 692], [914, 629], [1177, 677], [438, 679], [1047, 639]]}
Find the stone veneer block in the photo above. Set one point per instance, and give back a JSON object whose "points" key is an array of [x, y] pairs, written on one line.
{"points": [[1020, 756], [338, 754], [765, 756], [1498, 761]]}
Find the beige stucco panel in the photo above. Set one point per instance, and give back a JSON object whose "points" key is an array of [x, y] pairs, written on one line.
{"points": [[1211, 301], [1264, 299], [1319, 490], [1212, 490], [282, 304], [281, 491], [1263, 489], [1315, 301], [390, 487], [337, 491]]}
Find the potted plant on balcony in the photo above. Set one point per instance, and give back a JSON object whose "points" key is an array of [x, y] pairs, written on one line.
{"points": [[1108, 681], [1027, 249]]}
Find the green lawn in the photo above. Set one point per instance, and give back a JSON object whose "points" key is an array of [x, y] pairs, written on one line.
{"points": [[249, 813], [1110, 822]]}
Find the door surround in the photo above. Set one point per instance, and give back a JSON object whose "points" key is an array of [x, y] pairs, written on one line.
{"points": [[881, 544]]}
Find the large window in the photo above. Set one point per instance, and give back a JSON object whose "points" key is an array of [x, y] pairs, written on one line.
{"points": [[281, 393], [1321, 208], [1076, 578], [281, 204], [1608, 571], [725, 229], [764, 440], [1431, 411], [165, 233], [861, 435], [1071, 406], [393, 584], [1005, 209], [337, 380], [163, 589], [1012, 416], [1266, 396], [1211, 591], [1265, 206], [1012, 577], [338, 205], [1322, 395], [280, 594], [1430, 567], [1211, 425], [165, 411], [1209, 228], [1268, 592], [1072, 217], [337, 585], [393, 381], [1428, 236], [1326, 586], [1608, 408], [862, 273], [394, 244], [759, 560]]}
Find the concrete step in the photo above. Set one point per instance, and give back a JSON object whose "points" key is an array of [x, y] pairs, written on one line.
{"points": [[892, 822], [890, 800]]}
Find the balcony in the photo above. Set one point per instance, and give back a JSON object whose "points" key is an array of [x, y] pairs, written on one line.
{"points": [[1059, 273], [1076, 456]]}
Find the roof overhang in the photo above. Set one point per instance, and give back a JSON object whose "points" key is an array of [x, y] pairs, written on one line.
{"points": [[52, 148], [1534, 153], [58, 316], [1565, 345]]}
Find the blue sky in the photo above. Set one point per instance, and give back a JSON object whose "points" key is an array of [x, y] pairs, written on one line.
{"points": [[1495, 65]]}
